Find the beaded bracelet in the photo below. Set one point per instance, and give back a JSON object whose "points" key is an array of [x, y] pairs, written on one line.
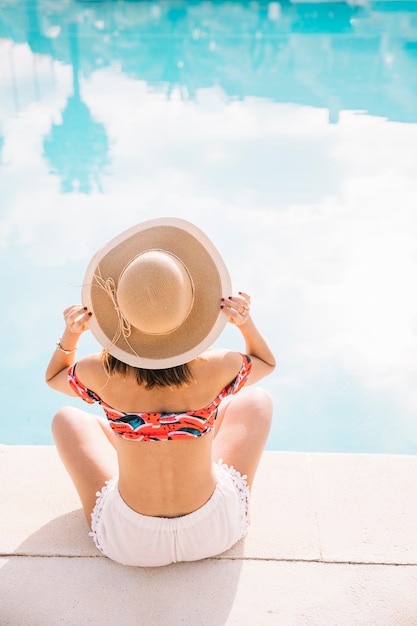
{"points": [[61, 349]]}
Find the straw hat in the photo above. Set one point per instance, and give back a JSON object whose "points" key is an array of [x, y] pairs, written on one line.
{"points": [[155, 292]]}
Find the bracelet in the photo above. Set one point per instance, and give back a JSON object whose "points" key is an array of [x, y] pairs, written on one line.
{"points": [[61, 349]]}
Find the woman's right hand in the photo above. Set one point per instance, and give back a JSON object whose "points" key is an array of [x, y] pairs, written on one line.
{"points": [[237, 308]]}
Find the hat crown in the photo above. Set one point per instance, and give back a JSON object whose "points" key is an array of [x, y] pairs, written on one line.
{"points": [[155, 292]]}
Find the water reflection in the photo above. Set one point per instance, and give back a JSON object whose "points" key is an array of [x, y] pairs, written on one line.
{"points": [[285, 130], [77, 148], [336, 55]]}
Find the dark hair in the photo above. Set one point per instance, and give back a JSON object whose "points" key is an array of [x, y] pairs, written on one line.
{"points": [[169, 377]]}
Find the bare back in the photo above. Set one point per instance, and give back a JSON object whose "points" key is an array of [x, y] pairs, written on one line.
{"points": [[164, 478]]}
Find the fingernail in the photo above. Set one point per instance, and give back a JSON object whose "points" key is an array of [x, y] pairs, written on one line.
{"points": [[85, 308], [90, 314]]}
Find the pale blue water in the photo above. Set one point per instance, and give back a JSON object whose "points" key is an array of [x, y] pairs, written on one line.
{"points": [[287, 131]]}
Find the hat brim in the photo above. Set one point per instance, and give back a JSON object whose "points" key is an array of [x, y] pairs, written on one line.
{"points": [[211, 282]]}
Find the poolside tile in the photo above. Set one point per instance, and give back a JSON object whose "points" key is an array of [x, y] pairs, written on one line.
{"points": [[44, 515], [43, 511], [335, 507], [283, 516], [366, 507], [78, 591]]}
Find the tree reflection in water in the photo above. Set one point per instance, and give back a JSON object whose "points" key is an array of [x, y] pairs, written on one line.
{"points": [[77, 148]]}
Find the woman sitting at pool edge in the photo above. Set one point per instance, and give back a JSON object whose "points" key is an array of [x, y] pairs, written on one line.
{"points": [[162, 479]]}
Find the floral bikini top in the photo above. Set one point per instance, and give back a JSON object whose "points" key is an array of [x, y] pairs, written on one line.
{"points": [[162, 426]]}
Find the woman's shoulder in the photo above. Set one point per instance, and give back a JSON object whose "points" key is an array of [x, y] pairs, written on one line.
{"points": [[225, 362], [222, 371], [90, 370]]}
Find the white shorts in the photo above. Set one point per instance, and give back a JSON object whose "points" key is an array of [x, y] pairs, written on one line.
{"points": [[131, 538]]}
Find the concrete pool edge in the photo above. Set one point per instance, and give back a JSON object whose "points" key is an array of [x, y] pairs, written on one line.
{"points": [[331, 535]]}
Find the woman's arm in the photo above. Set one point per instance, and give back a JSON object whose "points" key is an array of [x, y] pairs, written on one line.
{"points": [[76, 322], [256, 346]]}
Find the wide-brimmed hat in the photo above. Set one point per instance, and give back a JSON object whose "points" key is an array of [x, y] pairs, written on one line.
{"points": [[155, 293]]}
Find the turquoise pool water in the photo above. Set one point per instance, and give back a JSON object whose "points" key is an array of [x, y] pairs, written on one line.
{"points": [[287, 131]]}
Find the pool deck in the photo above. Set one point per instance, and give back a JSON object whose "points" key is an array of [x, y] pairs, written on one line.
{"points": [[333, 542]]}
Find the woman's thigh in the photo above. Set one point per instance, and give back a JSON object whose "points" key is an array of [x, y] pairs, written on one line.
{"points": [[84, 443], [242, 429]]}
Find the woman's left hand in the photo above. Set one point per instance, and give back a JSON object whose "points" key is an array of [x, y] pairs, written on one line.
{"points": [[76, 318]]}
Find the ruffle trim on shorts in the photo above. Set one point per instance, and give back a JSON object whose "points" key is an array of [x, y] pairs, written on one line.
{"points": [[242, 488], [96, 514]]}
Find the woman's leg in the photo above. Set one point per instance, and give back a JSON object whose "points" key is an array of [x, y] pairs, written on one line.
{"points": [[241, 431], [84, 443]]}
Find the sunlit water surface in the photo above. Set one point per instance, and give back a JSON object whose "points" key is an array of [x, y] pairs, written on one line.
{"points": [[286, 131]]}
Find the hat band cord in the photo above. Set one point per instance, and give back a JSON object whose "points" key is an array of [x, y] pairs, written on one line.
{"points": [[124, 327]]}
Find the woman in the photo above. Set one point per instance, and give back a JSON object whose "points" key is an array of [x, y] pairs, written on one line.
{"points": [[162, 479]]}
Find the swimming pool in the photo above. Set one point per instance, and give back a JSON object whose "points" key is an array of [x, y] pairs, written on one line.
{"points": [[287, 131]]}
